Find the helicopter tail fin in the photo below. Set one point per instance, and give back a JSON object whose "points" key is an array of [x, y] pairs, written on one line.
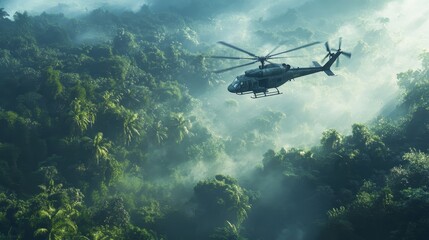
{"points": [[326, 70], [329, 72]]}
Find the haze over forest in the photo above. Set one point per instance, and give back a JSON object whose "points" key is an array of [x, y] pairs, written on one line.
{"points": [[113, 124]]}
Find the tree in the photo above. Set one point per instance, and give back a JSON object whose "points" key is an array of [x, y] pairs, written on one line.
{"points": [[112, 212], [331, 140], [127, 122], [52, 86], [361, 135], [124, 42], [413, 173], [131, 125], [159, 132], [220, 200], [60, 224], [22, 20], [82, 114], [180, 126], [3, 14], [57, 209], [101, 148], [229, 232]]}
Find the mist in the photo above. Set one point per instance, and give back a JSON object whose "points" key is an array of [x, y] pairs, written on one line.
{"points": [[383, 43], [385, 38], [68, 7], [231, 134]]}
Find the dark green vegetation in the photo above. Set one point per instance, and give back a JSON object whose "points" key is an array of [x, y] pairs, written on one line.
{"points": [[98, 140]]}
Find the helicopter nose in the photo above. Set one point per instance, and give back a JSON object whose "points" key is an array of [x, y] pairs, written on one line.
{"points": [[230, 88]]}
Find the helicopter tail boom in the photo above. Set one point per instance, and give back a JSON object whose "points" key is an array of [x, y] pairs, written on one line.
{"points": [[325, 68]]}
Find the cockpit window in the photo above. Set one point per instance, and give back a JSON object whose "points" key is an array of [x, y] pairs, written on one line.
{"points": [[235, 83]]}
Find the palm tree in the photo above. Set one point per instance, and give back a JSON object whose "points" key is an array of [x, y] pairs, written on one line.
{"points": [[101, 148], [229, 232], [60, 223], [82, 114], [181, 126], [22, 19], [131, 125], [160, 132]]}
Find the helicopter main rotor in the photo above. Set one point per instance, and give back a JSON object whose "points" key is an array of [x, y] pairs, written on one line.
{"points": [[254, 57]]}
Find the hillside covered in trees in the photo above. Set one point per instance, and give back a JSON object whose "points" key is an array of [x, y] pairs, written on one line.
{"points": [[103, 136]]}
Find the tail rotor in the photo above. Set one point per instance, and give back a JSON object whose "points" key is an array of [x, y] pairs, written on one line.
{"points": [[328, 49], [330, 54]]}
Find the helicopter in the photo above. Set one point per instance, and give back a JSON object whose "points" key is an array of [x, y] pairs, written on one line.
{"points": [[269, 76]]}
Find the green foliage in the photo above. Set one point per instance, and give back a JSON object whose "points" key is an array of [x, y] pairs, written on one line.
{"points": [[170, 91], [22, 20], [336, 213], [124, 42], [179, 126], [60, 223], [82, 115], [112, 212], [101, 148], [52, 86], [150, 213], [159, 132], [110, 116], [331, 140], [414, 173], [3, 13], [229, 232], [220, 200], [132, 125]]}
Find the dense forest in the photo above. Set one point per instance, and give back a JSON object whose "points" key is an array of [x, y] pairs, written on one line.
{"points": [[102, 137]]}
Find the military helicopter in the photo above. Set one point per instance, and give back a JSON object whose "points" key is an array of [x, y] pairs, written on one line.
{"points": [[270, 76]]}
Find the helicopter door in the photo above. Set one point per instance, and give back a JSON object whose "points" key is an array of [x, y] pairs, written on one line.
{"points": [[248, 85], [263, 83]]}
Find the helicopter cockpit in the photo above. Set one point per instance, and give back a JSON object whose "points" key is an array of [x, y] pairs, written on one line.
{"points": [[235, 86]]}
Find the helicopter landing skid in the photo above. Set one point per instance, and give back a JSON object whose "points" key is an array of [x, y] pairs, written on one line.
{"points": [[266, 94], [244, 93]]}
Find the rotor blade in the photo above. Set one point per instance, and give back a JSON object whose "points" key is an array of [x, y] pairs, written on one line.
{"points": [[347, 54], [225, 57], [287, 57], [274, 50], [227, 69], [270, 62], [327, 55], [237, 48], [294, 49], [328, 49], [339, 43]]}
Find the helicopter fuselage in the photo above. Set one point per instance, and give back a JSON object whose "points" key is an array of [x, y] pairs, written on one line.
{"points": [[271, 76]]}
